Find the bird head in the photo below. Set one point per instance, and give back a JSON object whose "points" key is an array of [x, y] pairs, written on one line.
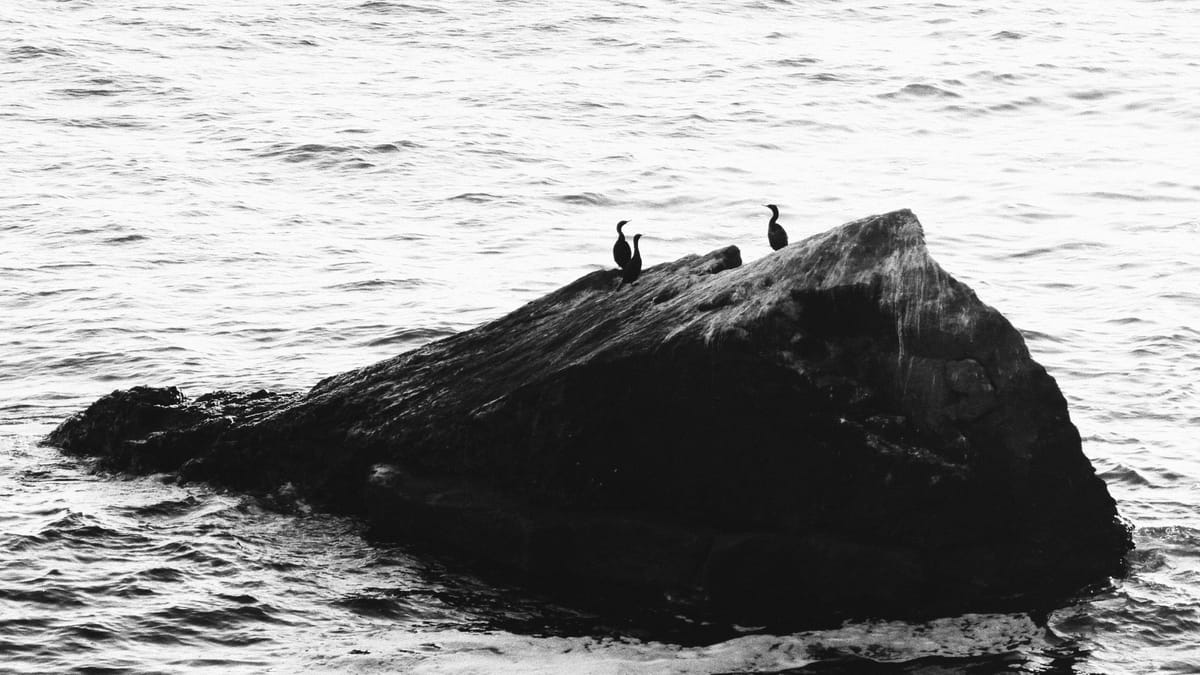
{"points": [[621, 224]]}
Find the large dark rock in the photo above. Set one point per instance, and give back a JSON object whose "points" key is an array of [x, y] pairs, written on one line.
{"points": [[837, 429]]}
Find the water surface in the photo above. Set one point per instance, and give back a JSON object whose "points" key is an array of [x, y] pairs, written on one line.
{"points": [[256, 194]]}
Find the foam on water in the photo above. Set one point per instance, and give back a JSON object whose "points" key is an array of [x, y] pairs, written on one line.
{"points": [[256, 195]]}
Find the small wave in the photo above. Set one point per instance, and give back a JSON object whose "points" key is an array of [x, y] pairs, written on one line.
{"points": [[31, 52], [384, 7], [26, 622], [220, 618], [372, 284], [93, 361], [1056, 249], [305, 152], [1145, 559], [82, 92], [91, 632], [397, 146], [242, 599], [587, 199], [921, 91], [169, 507], [51, 595], [1015, 105], [127, 239], [1033, 335], [1125, 475], [326, 155], [1007, 35], [193, 555], [1187, 538], [162, 574], [795, 62], [411, 335], [475, 197], [1092, 94], [1126, 320], [1034, 252], [76, 529], [375, 605]]}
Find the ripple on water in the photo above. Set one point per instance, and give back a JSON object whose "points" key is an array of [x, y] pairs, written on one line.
{"points": [[384, 7], [587, 199], [1183, 540], [1016, 105], [371, 285], [167, 508], [920, 91], [126, 239], [330, 156], [1124, 475], [231, 616], [475, 197], [56, 595], [410, 335], [23, 52]]}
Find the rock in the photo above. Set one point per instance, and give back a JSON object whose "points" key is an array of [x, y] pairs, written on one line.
{"points": [[838, 429]]}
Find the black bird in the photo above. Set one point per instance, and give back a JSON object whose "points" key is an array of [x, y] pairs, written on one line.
{"points": [[775, 233], [633, 269], [621, 249]]}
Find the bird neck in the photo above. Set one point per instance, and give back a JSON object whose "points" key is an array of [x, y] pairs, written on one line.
{"points": [[774, 217]]}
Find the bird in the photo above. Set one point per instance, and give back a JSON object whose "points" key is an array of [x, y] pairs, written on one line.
{"points": [[621, 252], [632, 269], [776, 235]]}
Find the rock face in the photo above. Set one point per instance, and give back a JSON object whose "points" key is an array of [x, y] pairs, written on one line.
{"points": [[837, 429]]}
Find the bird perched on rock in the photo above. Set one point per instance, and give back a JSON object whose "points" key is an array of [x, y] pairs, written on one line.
{"points": [[633, 269], [621, 252], [776, 235]]}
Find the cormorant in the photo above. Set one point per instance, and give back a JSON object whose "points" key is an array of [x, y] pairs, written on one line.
{"points": [[621, 252], [633, 269], [775, 233]]}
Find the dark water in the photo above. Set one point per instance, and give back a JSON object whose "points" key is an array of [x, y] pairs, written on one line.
{"points": [[257, 194]]}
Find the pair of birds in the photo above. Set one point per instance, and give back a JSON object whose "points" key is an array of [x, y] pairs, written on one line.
{"points": [[630, 261]]}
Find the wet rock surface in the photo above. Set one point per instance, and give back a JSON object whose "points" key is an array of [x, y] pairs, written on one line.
{"points": [[837, 429]]}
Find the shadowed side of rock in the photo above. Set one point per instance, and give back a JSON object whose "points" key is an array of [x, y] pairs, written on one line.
{"points": [[838, 429]]}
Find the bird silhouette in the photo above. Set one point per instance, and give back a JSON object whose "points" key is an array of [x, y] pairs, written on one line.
{"points": [[776, 235], [633, 269], [621, 252]]}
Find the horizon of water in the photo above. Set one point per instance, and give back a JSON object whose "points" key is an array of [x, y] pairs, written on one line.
{"points": [[245, 195]]}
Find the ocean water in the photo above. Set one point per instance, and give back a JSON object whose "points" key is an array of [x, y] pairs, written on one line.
{"points": [[251, 194]]}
